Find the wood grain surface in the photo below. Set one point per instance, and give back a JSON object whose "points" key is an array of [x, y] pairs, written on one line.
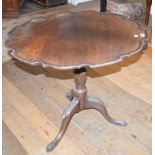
{"points": [[76, 39], [34, 98]]}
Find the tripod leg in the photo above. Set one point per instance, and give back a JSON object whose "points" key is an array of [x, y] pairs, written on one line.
{"points": [[95, 103], [68, 113]]}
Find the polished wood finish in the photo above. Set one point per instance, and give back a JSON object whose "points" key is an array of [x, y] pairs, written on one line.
{"points": [[76, 39], [10, 8], [79, 100], [33, 101], [125, 88]]}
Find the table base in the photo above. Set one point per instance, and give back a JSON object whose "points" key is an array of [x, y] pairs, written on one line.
{"points": [[80, 101]]}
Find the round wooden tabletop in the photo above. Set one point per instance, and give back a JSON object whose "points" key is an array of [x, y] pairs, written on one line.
{"points": [[76, 39]]}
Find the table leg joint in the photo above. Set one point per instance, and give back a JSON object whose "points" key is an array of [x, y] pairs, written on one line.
{"points": [[80, 101]]}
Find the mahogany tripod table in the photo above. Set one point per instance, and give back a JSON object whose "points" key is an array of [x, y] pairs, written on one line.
{"points": [[77, 40]]}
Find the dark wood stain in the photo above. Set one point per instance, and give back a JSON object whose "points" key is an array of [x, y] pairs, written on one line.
{"points": [[76, 39]]}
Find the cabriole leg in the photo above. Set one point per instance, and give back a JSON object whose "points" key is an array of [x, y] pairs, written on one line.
{"points": [[80, 101], [68, 113], [95, 103]]}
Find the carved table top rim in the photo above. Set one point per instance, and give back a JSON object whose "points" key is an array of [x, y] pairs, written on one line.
{"points": [[142, 42]]}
